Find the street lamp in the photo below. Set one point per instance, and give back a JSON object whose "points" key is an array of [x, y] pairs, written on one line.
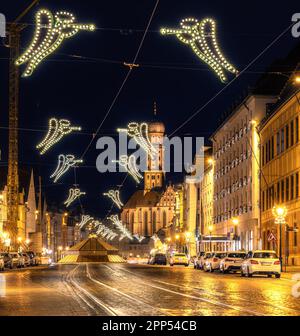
{"points": [[210, 229], [280, 212], [188, 236], [235, 222]]}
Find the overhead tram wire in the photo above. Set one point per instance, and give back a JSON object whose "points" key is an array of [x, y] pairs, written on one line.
{"points": [[228, 84], [125, 79], [122, 85], [233, 80]]}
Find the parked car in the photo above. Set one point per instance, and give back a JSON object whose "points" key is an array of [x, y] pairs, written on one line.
{"points": [[1, 264], [34, 259], [158, 259], [17, 259], [27, 261], [179, 259], [261, 262], [213, 263], [198, 262], [232, 262], [8, 262]]}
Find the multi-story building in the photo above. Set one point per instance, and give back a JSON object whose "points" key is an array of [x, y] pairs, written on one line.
{"points": [[236, 175], [280, 160]]}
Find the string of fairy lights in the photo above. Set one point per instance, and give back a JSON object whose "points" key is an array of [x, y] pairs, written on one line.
{"points": [[50, 32]]}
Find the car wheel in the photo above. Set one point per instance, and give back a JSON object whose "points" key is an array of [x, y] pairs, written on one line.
{"points": [[242, 273], [269, 275], [249, 274], [171, 265], [277, 276], [211, 269], [186, 265]]}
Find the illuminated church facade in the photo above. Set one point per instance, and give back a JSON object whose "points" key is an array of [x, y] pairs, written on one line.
{"points": [[152, 209]]}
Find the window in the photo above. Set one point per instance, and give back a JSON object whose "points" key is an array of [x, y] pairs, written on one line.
{"points": [[292, 187], [282, 141], [295, 235], [297, 185], [297, 129], [263, 200], [287, 189], [282, 191], [278, 143], [287, 136], [263, 155], [278, 193], [272, 148], [292, 133]]}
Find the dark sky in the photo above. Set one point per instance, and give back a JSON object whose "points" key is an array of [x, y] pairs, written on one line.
{"points": [[82, 89]]}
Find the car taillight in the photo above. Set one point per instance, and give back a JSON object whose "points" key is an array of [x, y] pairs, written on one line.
{"points": [[215, 259], [277, 262], [254, 262]]}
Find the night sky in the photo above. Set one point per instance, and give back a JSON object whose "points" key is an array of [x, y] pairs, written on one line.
{"points": [[82, 89]]}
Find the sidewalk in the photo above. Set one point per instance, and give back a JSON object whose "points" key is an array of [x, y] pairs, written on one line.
{"points": [[290, 271]]}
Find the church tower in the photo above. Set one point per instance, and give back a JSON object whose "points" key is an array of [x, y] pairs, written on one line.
{"points": [[154, 175]]}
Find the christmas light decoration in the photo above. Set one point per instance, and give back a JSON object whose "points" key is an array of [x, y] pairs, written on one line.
{"points": [[104, 231], [129, 163], [73, 195], [50, 32], [124, 231], [84, 220], [140, 133], [114, 195], [201, 36], [65, 162], [139, 238], [57, 130]]}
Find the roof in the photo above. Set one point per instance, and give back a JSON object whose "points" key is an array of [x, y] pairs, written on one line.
{"points": [[93, 244], [139, 199]]}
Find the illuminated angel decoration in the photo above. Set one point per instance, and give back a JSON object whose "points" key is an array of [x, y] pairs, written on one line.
{"points": [[105, 232], [140, 133], [57, 130], [124, 231], [74, 194], [65, 162], [85, 219], [129, 163], [114, 195], [201, 36], [50, 32], [139, 238]]}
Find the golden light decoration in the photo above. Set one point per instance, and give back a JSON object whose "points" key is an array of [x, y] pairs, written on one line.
{"points": [[201, 36], [140, 133], [129, 163], [74, 194], [104, 231], [118, 223], [114, 195], [57, 130], [50, 32], [65, 162], [139, 238], [84, 221]]}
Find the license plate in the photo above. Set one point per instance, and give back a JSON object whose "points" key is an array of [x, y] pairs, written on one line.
{"points": [[266, 264]]}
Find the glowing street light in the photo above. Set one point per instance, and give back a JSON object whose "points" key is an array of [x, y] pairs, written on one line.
{"points": [[279, 213]]}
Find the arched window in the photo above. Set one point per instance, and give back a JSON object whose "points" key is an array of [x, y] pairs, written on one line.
{"points": [[146, 233], [154, 222], [164, 219]]}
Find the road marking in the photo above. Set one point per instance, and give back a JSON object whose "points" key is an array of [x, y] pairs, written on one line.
{"points": [[194, 297], [118, 291], [73, 281]]}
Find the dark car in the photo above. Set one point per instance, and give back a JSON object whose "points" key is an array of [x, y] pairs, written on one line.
{"points": [[34, 259], [8, 261], [158, 259]]}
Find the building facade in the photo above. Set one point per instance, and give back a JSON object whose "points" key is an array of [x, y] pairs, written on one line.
{"points": [[236, 176], [280, 159]]}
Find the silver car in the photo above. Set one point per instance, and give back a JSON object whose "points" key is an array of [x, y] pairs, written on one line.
{"points": [[18, 260]]}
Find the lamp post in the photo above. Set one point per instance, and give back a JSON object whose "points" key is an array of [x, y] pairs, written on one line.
{"points": [[280, 212], [188, 236], [210, 229], [177, 238], [235, 222]]}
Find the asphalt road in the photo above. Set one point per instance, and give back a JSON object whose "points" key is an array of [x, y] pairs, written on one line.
{"points": [[124, 289]]}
